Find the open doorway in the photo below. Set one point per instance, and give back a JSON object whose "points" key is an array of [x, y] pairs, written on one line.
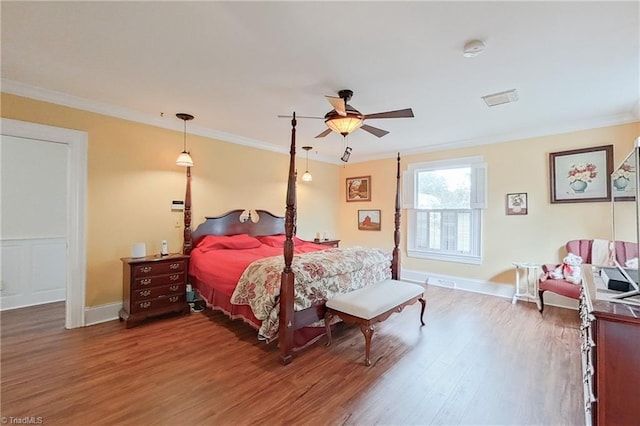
{"points": [[44, 255]]}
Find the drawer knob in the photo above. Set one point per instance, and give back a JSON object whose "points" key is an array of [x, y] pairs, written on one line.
{"points": [[145, 292], [145, 269], [144, 305], [174, 266], [146, 281], [174, 287], [174, 277], [173, 299]]}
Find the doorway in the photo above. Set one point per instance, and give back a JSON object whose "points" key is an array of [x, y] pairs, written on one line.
{"points": [[73, 263]]}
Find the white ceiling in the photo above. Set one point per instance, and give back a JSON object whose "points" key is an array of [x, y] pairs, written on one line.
{"points": [[237, 65]]}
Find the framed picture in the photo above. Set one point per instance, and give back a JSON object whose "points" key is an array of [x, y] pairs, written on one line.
{"points": [[369, 220], [517, 203], [623, 181], [359, 188], [581, 175]]}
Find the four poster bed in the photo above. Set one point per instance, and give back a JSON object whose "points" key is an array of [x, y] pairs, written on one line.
{"points": [[237, 266]]}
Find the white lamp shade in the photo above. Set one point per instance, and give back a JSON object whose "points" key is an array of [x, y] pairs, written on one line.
{"points": [[184, 160], [307, 176]]}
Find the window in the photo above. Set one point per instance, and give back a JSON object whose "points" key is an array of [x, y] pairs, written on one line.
{"points": [[444, 202]]}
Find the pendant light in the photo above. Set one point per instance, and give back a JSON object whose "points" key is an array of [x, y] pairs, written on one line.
{"points": [[184, 159], [307, 176]]}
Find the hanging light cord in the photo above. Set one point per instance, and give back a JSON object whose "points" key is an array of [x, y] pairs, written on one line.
{"points": [[184, 149]]}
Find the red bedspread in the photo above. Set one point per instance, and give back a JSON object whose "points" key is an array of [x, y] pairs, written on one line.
{"points": [[219, 263]]}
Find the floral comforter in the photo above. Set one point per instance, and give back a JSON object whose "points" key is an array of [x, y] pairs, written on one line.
{"points": [[318, 275]]}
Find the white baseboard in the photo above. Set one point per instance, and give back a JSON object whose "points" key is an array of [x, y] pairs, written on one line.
{"points": [[484, 287], [102, 313]]}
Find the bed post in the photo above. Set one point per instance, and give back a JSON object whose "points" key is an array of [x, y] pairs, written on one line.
{"points": [[395, 261], [286, 325], [187, 241]]}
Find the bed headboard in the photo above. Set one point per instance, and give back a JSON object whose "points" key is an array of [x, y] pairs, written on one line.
{"points": [[230, 224]]}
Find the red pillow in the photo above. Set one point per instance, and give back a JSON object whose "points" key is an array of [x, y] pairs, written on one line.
{"points": [[278, 240], [234, 242]]}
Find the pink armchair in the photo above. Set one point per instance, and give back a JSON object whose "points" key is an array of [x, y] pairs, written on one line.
{"points": [[624, 251]]}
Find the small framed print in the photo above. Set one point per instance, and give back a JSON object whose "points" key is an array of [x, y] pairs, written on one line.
{"points": [[517, 203], [359, 188], [369, 220]]}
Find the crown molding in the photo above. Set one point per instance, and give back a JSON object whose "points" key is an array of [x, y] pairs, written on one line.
{"points": [[20, 89], [45, 95], [632, 116]]}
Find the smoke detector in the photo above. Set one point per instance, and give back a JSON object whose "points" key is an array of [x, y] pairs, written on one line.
{"points": [[473, 48]]}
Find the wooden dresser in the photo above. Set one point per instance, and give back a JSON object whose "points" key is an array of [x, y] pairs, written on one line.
{"points": [[153, 285], [610, 356]]}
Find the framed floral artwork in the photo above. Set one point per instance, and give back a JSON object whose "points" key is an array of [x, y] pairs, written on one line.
{"points": [[359, 188], [581, 175], [623, 180], [369, 220], [517, 203]]}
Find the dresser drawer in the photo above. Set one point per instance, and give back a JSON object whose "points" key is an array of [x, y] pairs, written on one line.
{"points": [[160, 302], [158, 268], [155, 292], [160, 280]]}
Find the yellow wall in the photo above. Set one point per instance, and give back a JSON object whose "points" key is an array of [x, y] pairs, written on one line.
{"points": [[132, 179], [518, 166]]}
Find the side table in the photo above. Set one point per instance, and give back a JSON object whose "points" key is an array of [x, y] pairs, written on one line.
{"points": [[531, 291]]}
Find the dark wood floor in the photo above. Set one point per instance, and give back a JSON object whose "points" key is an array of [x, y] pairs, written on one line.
{"points": [[479, 361]]}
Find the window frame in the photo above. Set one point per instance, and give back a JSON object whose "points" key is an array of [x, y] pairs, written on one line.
{"points": [[477, 204]]}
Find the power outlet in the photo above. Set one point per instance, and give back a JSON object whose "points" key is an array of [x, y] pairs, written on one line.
{"points": [[177, 224]]}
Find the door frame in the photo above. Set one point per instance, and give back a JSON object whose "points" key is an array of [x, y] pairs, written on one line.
{"points": [[77, 141]]}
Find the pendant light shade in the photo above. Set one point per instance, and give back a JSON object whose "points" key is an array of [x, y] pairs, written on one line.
{"points": [[184, 159], [306, 177]]}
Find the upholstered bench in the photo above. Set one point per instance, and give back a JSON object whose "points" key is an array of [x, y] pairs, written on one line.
{"points": [[372, 304]]}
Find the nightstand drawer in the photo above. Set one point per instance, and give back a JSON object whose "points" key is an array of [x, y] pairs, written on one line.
{"points": [[177, 278], [154, 292], [153, 304], [159, 268]]}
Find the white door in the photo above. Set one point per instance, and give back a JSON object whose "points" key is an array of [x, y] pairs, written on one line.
{"points": [[43, 184], [34, 221]]}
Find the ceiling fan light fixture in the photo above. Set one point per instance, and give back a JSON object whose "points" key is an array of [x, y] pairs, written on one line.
{"points": [[344, 125]]}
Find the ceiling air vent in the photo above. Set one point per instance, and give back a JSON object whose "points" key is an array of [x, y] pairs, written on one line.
{"points": [[501, 98]]}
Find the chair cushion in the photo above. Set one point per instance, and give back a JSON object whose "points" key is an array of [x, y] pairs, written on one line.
{"points": [[561, 287], [375, 299]]}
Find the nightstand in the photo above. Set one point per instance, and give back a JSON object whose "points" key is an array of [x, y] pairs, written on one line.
{"points": [[330, 243], [153, 285]]}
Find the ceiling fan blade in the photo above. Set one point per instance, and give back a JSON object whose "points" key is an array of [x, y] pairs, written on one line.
{"points": [[298, 116], [401, 113], [338, 104], [374, 130], [323, 134]]}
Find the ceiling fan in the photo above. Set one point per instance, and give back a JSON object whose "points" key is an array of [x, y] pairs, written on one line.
{"points": [[344, 118]]}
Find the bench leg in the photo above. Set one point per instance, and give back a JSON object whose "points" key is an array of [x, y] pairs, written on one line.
{"points": [[367, 330], [424, 305], [327, 323]]}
